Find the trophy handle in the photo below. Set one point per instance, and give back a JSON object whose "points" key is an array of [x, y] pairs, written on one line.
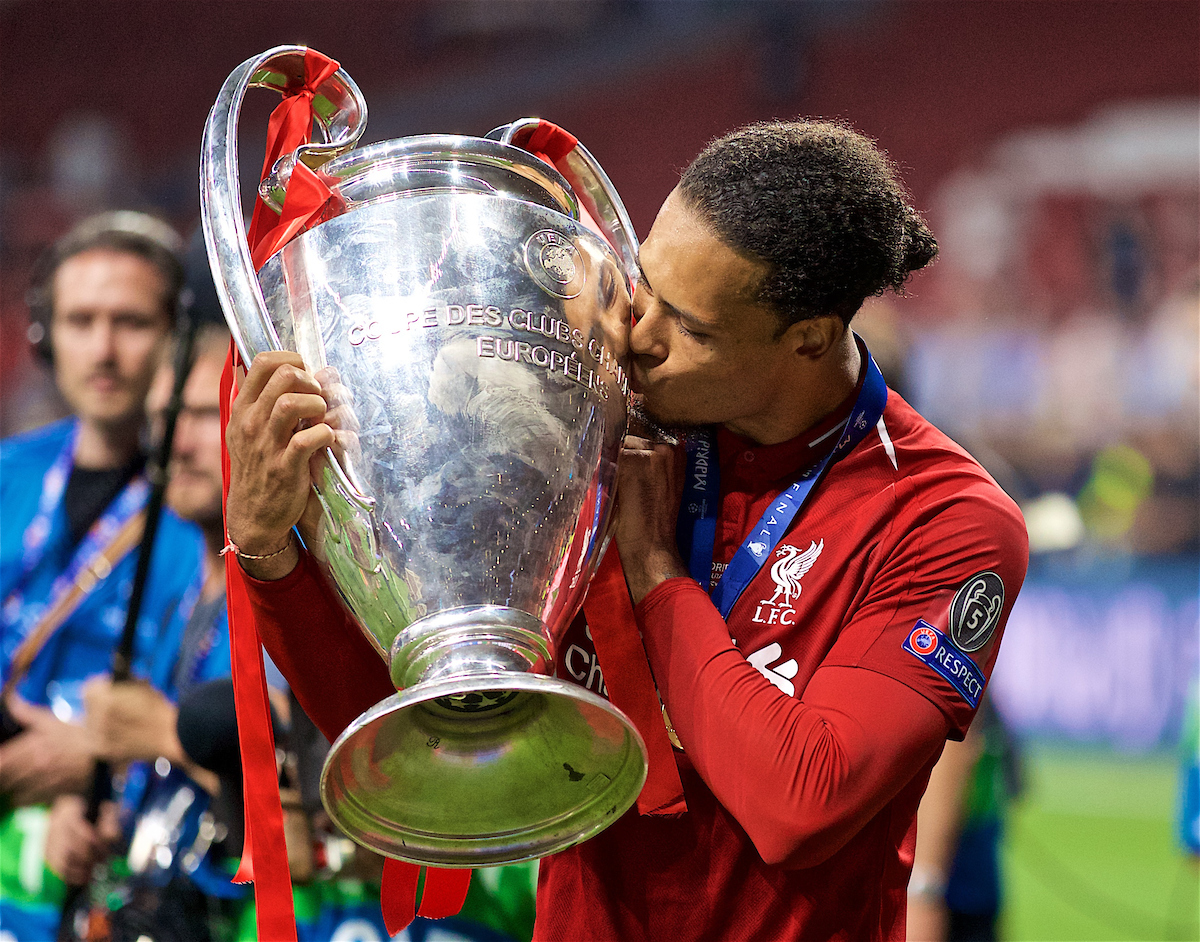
{"points": [[354, 512], [593, 187], [341, 114]]}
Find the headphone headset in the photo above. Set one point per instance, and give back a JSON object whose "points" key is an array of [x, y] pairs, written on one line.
{"points": [[126, 231]]}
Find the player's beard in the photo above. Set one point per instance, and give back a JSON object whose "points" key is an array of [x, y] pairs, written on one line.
{"points": [[644, 425]]}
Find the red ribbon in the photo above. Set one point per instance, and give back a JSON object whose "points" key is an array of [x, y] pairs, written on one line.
{"points": [[264, 857], [609, 614], [546, 140], [553, 145], [398, 894], [444, 893], [608, 609], [290, 126], [308, 200]]}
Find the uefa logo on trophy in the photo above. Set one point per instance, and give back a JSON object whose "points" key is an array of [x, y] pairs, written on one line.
{"points": [[465, 305]]}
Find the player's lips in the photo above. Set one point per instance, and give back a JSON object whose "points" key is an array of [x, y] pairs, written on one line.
{"points": [[637, 377]]}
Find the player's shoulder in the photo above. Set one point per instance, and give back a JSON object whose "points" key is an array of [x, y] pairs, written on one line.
{"points": [[920, 447], [943, 482], [918, 438]]}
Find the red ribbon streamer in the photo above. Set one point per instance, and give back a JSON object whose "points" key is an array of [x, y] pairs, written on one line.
{"points": [[264, 857], [607, 607], [443, 895], [553, 145], [445, 892], [609, 614], [308, 200], [290, 126], [546, 140], [398, 894]]}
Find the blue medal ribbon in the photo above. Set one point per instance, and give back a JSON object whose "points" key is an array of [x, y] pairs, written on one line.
{"points": [[697, 527]]}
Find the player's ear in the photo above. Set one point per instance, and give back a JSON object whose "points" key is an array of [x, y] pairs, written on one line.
{"points": [[813, 337]]}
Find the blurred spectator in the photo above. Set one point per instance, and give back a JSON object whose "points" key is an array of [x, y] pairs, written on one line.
{"points": [[72, 498], [1189, 777]]}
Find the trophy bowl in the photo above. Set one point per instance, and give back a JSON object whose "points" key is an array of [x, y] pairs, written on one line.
{"points": [[465, 307]]}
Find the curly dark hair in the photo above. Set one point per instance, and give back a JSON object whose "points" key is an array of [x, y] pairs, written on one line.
{"points": [[820, 204]]}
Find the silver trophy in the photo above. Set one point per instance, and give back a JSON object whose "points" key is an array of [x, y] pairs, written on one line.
{"points": [[469, 332]]}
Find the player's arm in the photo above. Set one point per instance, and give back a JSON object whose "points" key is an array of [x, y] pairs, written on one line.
{"points": [[803, 774], [333, 670], [275, 428]]}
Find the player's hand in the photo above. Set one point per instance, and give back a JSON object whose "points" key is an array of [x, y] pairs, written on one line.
{"points": [[49, 758], [649, 485], [276, 426], [73, 845], [130, 720]]}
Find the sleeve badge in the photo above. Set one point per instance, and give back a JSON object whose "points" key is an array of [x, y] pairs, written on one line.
{"points": [[975, 611]]}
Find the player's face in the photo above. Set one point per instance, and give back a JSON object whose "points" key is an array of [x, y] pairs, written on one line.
{"points": [[704, 350], [194, 491], [107, 330]]}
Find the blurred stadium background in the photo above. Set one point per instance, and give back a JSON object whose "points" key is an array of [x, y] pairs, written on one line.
{"points": [[1053, 144]]}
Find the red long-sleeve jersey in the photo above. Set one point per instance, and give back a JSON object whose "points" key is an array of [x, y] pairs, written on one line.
{"points": [[809, 720]]}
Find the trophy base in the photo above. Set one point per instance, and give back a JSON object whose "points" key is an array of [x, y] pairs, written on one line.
{"points": [[483, 769]]}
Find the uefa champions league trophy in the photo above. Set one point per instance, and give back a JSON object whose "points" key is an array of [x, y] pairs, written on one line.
{"points": [[469, 332]]}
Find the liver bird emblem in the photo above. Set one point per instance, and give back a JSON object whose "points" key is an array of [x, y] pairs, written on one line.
{"points": [[789, 569]]}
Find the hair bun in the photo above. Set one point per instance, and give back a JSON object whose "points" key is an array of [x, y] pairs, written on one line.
{"points": [[920, 247]]}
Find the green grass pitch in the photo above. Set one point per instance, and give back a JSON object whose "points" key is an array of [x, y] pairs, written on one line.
{"points": [[1091, 852]]}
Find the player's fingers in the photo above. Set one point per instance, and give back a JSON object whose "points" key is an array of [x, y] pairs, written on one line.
{"points": [[342, 417], [287, 379], [264, 368], [306, 443], [335, 391], [292, 408], [251, 417]]}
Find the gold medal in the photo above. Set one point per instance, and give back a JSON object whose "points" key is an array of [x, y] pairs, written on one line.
{"points": [[671, 734]]}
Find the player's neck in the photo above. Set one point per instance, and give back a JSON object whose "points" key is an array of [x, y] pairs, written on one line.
{"points": [[814, 392], [101, 446]]}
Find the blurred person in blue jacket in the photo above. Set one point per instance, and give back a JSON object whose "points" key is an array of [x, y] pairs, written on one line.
{"points": [[134, 724], [72, 494]]}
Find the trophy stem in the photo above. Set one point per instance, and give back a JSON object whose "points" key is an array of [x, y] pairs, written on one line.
{"points": [[481, 759], [474, 639]]}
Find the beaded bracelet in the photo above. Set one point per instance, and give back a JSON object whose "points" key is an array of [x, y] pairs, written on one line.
{"points": [[231, 547]]}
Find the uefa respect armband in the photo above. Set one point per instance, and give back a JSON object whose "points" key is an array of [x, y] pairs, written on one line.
{"points": [[927, 644]]}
